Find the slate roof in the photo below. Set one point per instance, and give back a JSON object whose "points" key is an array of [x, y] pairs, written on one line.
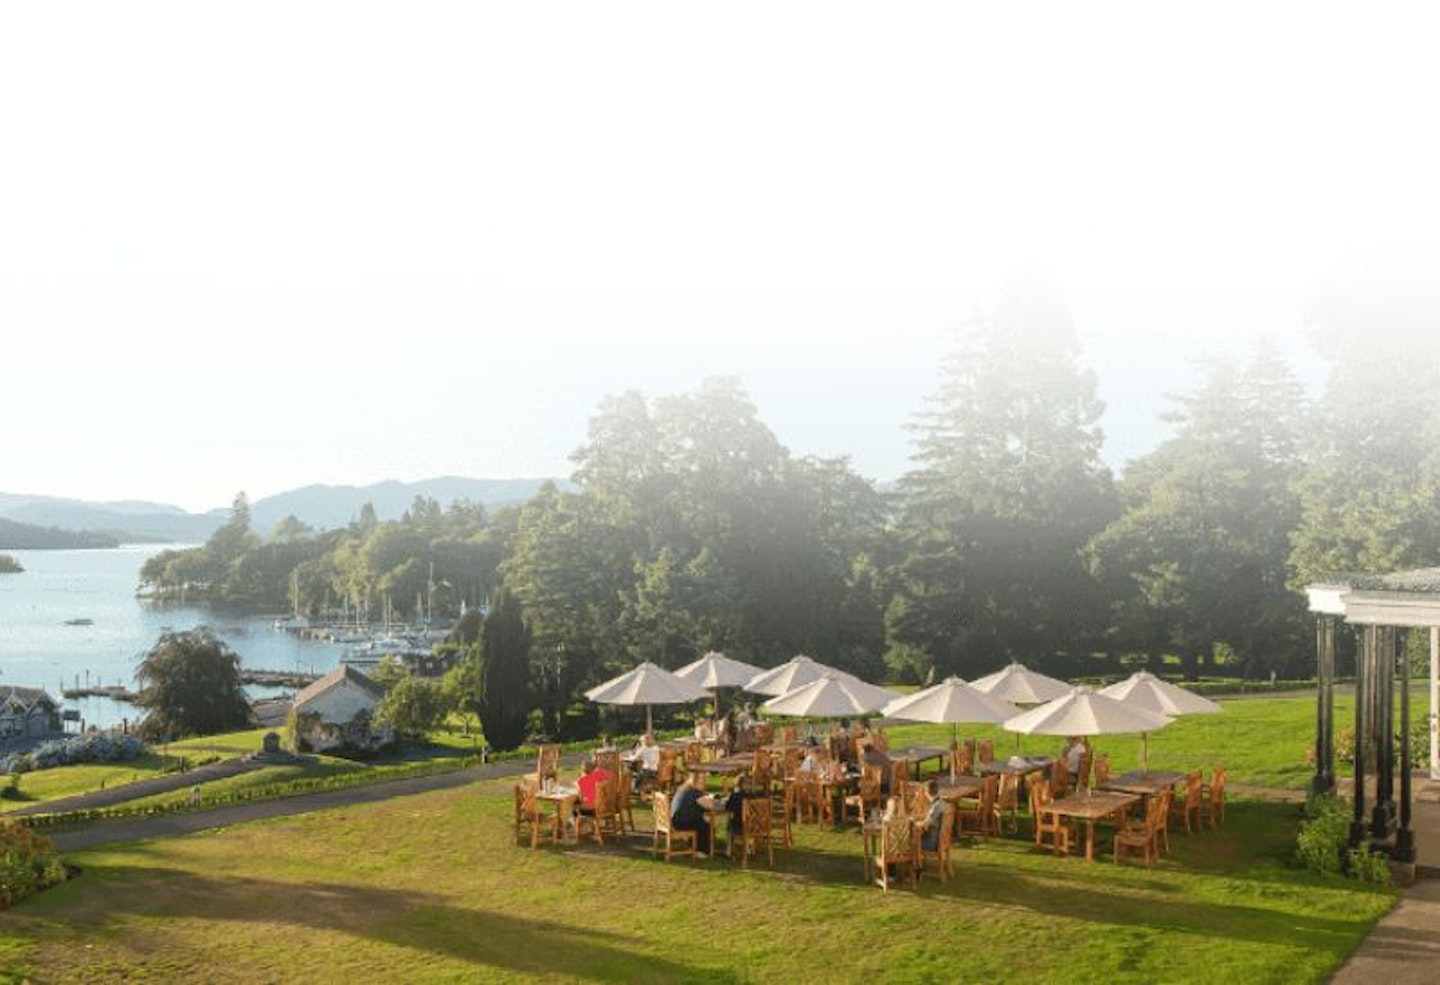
{"points": [[342, 673]]}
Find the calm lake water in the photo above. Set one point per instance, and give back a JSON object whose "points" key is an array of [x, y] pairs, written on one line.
{"points": [[38, 648]]}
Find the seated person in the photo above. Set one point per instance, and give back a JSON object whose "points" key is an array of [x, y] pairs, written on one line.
{"points": [[645, 760], [1075, 754], [934, 818], [687, 811], [591, 776]]}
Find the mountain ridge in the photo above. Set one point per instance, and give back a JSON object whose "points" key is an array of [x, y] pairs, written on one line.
{"points": [[320, 505]]}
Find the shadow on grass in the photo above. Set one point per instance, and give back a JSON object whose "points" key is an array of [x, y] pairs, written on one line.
{"points": [[415, 920], [1007, 876]]}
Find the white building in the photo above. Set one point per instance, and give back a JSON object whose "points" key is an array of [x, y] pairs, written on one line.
{"points": [[336, 714]]}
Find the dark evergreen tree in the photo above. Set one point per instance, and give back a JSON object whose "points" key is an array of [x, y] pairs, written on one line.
{"points": [[190, 685], [503, 657]]}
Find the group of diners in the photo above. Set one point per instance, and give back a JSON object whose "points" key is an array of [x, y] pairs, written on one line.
{"points": [[851, 772]]}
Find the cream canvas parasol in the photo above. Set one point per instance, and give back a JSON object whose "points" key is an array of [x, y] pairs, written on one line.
{"points": [[831, 696], [648, 684], [1144, 690], [788, 676], [717, 670], [1086, 712], [952, 701], [1020, 685]]}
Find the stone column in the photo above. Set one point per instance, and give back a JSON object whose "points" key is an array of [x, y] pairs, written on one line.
{"points": [[1404, 839], [1382, 817], [1362, 677], [1324, 779]]}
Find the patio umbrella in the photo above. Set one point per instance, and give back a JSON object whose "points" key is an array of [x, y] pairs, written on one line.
{"points": [[953, 701], [788, 676], [1143, 689], [715, 670], [1021, 685], [647, 684], [834, 695], [1086, 712]]}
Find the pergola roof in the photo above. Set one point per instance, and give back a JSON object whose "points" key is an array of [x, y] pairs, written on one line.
{"points": [[1402, 598]]}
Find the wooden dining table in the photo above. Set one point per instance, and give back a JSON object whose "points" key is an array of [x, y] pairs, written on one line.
{"points": [[1145, 784], [1091, 807], [563, 800]]}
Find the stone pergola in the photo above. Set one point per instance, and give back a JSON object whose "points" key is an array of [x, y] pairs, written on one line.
{"points": [[1382, 609]]}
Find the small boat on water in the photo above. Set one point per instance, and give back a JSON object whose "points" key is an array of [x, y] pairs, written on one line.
{"points": [[80, 621]]}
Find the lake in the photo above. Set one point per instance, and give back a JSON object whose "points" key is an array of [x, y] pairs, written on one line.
{"points": [[39, 649]]}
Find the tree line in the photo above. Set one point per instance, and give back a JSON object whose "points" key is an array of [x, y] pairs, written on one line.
{"points": [[692, 528]]}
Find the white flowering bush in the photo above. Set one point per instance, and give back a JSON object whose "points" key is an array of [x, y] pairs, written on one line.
{"points": [[91, 747]]}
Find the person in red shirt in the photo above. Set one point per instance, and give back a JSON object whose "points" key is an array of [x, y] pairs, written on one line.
{"points": [[591, 776]]}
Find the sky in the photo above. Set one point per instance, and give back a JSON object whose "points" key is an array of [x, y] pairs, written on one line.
{"points": [[251, 247]]}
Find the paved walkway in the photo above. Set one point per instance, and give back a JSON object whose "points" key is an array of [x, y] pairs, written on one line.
{"points": [[170, 825], [122, 792], [1404, 947]]}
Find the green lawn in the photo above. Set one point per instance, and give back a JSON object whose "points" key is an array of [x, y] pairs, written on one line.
{"points": [[433, 888]]}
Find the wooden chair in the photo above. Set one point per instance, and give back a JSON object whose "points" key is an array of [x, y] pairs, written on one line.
{"points": [[624, 784], [1212, 797], [1059, 775], [667, 773], [608, 759], [881, 740], [1142, 835], [899, 776], [941, 854], [1193, 803], [756, 828], [788, 735], [547, 763], [1102, 770], [790, 762], [965, 760], [761, 774], [1048, 824], [867, 797], [694, 754], [980, 812], [786, 807], [673, 835], [895, 847], [1082, 779], [1007, 798], [529, 811], [812, 798], [985, 751], [604, 816]]}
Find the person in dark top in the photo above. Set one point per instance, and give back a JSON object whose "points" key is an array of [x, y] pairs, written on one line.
{"points": [[934, 818], [687, 813], [735, 804]]}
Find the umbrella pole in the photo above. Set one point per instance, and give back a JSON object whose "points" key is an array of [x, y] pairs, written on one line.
{"points": [[954, 747], [1145, 753], [649, 726]]}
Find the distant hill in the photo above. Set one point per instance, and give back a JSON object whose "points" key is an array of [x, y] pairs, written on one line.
{"points": [[327, 507], [126, 521], [27, 536], [322, 507]]}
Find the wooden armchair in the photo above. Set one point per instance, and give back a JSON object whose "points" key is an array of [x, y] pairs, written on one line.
{"points": [[965, 760], [604, 816], [1193, 803], [529, 812], [1212, 797], [624, 784], [812, 799], [667, 772], [547, 763], [756, 829], [866, 798], [1143, 835], [685, 840], [1082, 779], [1007, 798], [1048, 824], [788, 735], [1059, 775], [981, 812], [608, 759], [941, 854], [985, 751], [895, 846], [1102, 770]]}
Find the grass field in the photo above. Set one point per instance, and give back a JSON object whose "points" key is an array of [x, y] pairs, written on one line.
{"points": [[433, 889]]}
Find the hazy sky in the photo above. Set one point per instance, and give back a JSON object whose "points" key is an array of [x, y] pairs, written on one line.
{"points": [[253, 246]]}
